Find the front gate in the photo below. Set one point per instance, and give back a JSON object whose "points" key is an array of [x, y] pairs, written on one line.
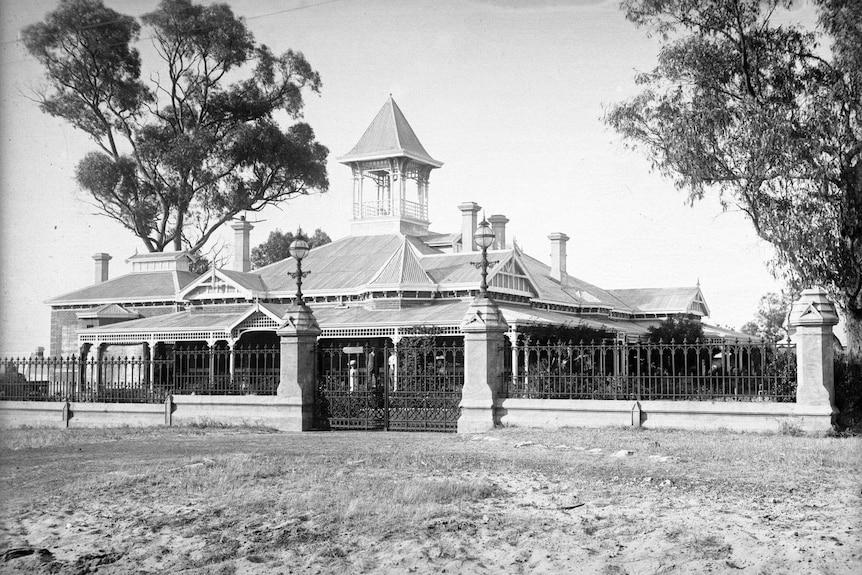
{"points": [[371, 385]]}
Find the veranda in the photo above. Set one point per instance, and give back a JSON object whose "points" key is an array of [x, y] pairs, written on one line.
{"points": [[448, 381]]}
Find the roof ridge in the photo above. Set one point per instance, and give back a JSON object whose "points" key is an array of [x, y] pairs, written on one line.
{"points": [[392, 107], [414, 260]]}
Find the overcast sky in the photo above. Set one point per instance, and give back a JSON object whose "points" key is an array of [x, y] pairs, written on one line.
{"points": [[508, 94]]}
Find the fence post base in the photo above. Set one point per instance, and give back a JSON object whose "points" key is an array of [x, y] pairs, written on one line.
{"points": [[483, 328], [813, 316], [298, 333], [169, 409], [67, 414]]}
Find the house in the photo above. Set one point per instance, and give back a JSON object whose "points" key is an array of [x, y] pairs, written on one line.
{"points": [[390, 275]]}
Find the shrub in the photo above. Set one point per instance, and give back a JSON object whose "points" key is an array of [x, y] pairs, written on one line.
{"points": [[848, 389]]}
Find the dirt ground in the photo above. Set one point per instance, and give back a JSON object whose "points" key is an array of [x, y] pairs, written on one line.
{"points": [[534, 502]]}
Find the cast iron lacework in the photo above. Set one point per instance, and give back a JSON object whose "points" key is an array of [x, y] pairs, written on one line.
{"points": [[416, 388]]}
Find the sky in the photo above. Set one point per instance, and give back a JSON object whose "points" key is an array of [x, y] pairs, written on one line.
{"points": [[509, 95]]}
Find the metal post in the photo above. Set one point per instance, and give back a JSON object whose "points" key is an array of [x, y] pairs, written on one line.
{"points": [[232, 366], [152, 366]]}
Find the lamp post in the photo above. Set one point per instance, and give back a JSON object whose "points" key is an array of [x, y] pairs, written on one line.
{"points": [[299, 249], [484, 238]]}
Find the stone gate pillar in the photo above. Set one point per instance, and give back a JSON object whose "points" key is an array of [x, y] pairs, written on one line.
{"points": [[484, 329], [298, 332], [813, 316]]}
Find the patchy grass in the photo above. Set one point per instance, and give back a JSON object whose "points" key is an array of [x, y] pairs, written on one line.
{"points": [[43, 437], [218, 499]]}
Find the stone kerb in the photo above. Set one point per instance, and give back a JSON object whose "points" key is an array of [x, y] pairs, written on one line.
{"points": [[483, 327], [813, 316], [298, 332]]}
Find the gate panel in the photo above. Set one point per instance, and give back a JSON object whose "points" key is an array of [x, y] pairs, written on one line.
{"points": [[425, 391], [368, 386]]}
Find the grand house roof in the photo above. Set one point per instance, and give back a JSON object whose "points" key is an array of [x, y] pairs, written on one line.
{"points": [[136, 287], [373, 266], [379, 278]]}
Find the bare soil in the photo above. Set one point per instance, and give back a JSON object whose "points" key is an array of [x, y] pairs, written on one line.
{"points": [[509, 501]]}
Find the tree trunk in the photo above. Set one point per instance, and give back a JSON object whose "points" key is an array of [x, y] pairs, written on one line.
{"points": [[853, 327]]}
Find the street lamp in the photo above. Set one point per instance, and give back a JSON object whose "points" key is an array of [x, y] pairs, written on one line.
{"points": [[299, 249], [484, 237]]}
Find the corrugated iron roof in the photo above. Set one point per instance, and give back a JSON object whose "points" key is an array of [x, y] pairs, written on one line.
{"points": [[443, 313], [572, 290], [179, 321], [160, 256], [403, 268], [108, 311], [342, 264], [250, 281], [655, 300], [527, 315], [150, 286], [389, 136], [434, 239]]}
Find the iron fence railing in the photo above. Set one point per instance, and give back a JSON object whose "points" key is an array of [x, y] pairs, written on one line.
{"points": [[416, 386], [136, 379], [725, 371]]}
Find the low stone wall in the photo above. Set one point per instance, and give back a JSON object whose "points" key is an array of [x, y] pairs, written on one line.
{"points": [[736, 416], [271, 411], [285, 413]]}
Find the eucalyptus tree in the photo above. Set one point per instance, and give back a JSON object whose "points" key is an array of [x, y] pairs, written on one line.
{"points": [[197, 143], [277, 246], [767, 116]]}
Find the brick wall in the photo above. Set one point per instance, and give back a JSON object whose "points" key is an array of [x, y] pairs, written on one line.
{"points": [[65, 326]]}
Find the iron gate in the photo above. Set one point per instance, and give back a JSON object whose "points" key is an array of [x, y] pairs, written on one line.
{"points": [[370, 385]]}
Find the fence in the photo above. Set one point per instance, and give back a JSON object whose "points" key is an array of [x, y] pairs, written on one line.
{"points": [[252, 371], [414, 388], [724, 371]]}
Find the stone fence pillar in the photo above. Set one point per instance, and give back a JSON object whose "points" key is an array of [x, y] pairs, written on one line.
{"points": [[298, 332], [813, 316], [484, 329]]}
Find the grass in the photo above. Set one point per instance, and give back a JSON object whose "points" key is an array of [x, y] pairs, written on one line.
{"points": [[348, 502], [44, 437]]}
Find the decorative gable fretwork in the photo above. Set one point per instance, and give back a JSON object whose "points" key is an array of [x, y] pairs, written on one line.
{"points": [[257, 321], [698, 305], [510, 277], [214, 287]]}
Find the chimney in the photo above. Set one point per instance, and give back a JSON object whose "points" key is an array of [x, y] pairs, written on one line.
{"points": [[558, 255], [498, 226], [102, 260], [469, 210], [241, 248]]}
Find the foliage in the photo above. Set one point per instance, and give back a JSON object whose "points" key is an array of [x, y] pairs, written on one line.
{"points": [[179, 156], [848, 389], [769, 322], [200, 266], [277, 246], [574, 333], [765, 117], [678, 330]]}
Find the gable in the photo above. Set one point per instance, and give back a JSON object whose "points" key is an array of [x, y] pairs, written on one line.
{"points": [[214, 286], [511, 278], [258, 320]]}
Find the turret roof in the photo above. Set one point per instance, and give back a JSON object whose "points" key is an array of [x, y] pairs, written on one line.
{"points": [[389, 136]]}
